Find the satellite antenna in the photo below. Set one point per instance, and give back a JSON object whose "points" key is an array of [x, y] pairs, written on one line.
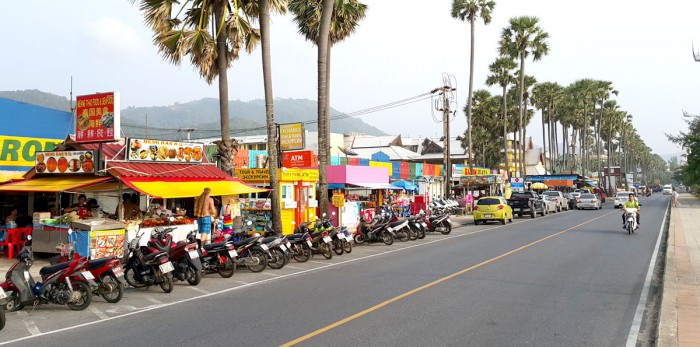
{"points": [[347, 151], [696, 55]]}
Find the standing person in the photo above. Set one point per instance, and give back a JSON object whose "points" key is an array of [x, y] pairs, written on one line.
{"points": [[204, 210], [674, 198]]}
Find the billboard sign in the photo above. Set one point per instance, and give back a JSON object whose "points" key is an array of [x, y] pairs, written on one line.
{"points": [[291, 136], [97, 117], [165, 151]]}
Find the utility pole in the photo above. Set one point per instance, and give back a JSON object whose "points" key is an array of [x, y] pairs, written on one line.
{"points": [[443, 105], [187, 130]]}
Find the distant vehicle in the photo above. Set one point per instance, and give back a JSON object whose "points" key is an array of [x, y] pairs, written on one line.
{"points": [[493, 208], [621, 198], [589, 201], [528, 202], [668, 189], [562, 203], [571, 200], [551, 203]]}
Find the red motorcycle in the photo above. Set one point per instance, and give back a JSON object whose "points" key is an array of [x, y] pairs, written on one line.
{"points": [[63, 284], [183, 255], [107, 274]]}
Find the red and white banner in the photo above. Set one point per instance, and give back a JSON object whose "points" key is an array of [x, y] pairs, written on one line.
{"points": [[97, 117], [298, 159]]}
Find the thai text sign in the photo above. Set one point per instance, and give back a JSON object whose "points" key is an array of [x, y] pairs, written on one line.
{"points": [[253, 175], [299, 175], [298, 159], [165, 151], [291, 136], [476, 172], [338, 200], [19, 151], [65, 162], [97, 117]]}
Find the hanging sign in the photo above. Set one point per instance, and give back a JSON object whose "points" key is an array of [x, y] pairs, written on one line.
{"points": [[65, 162], [165, 151], [338, 200], [253, 175], [97, 117], [297, 159], [291, 136]]}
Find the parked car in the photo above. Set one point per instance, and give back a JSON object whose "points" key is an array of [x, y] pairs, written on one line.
{"points": [[562, 203], [492, 208], [528, 202], [551, 203], [589, 201], [668, 189], [570, 200], [621, 198]]}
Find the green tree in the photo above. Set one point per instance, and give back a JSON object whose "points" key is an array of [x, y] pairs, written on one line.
{"points": [[212, 35], [470, 10], [521, 39], [502, 75], [342, 18], [545, 97]]}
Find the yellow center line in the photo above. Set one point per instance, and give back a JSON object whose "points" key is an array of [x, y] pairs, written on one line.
{"points": [[425, 286]]}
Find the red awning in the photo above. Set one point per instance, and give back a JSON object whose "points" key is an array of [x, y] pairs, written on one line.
{"points": [[162, 170]]}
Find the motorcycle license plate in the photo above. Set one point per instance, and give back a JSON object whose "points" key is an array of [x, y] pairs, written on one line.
{"points": [[424, 225], [309, 243], [88, 275], [167, 267], [233, 253], [488, 215], [327, 239], [264, 247], [118, 272], [193, 254], [2, 294], [283, 247]]}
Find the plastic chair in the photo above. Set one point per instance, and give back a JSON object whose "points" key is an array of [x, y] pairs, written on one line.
{"points": [[26, 231], [13, 240], [3, 237]]}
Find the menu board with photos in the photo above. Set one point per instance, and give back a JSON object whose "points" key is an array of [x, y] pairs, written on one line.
{"points": [[97, 117], [64, 162], [165, 151]]}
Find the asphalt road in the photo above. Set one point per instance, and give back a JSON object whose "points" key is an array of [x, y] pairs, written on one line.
{"points": [[568, 279]]}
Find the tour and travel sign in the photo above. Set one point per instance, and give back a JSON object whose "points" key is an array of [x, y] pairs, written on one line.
{"points": [[291, 136], [97, 117], [253, 175], [165, 151], [65, 162]]}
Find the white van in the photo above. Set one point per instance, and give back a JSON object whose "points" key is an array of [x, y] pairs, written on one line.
{"points": [[668, 189]]}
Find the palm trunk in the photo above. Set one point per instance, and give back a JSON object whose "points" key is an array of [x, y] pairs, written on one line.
{"points": [[505, 133], [469, 100], [264, 16], [597, 135], [609, 155], [225, 147], [520, 110], [544, 143], [584, 136], [323, 154]]}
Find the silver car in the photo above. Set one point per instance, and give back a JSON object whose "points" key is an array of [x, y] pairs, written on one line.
{"points": [[551, 204], [589, 201], [562, 203], [621, 198]]}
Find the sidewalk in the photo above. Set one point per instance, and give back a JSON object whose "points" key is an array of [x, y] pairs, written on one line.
{"points": [[679, 319]]}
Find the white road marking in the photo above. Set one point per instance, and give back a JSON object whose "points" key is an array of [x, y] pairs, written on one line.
{"points": [[97, 312], [294, 267], [241, 282], [637, 321], [268, 273], [246, 285], [197, 289], [31, 326], [318, 262]]}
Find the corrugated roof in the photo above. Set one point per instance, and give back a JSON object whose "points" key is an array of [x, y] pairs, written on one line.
{"points": [[200, 171]]}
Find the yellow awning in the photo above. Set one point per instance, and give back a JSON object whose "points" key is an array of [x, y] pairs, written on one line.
{"points": [[183, 188], [52, 184]]}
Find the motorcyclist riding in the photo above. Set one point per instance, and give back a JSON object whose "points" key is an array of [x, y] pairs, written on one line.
{"points": [[631, 203]]}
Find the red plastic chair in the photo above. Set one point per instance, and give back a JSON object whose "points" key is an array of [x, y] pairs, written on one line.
{"points": [[26, 231], [13, 240]]}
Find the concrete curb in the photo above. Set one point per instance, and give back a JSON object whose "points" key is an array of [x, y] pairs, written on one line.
{"points": [[667, 335]]}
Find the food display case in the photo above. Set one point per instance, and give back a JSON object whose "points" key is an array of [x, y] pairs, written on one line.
{"points": [[99, 238]]}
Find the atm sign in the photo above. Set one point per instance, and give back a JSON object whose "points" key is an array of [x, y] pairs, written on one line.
{"points": [[297, 159]]}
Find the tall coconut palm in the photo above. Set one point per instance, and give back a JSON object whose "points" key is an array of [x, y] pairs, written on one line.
{"points": [[264, 8], [212, 46], [602, 94], [522, 38], [469, 10], [343, 18], [545, 97], [530, 82], [502, 75]]}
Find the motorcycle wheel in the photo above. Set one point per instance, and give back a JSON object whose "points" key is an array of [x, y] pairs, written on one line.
{"points": [[129, 276], [412, 234], [347, 247], [629, 228], [325, 250], [262, 260], [421, 234], [359, 238], [112, 297], [338, 247], [402, 235], [448, 228], [13, 304], [276, 260], [2, 318], [167, 284], [85, 296], [302, 252], [388, 238], [195, 275], [287, 256], [227, 268]]}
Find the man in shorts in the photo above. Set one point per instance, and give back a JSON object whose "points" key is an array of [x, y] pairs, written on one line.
{"points": [[204, 210]]}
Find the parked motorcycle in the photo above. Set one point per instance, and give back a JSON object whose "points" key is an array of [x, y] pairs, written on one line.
{"points": [[107, 273], [374, 231], [217, 257], [438, 223], [63, 284], [183, 255], [252, 253], [147, 266], [3, 302]]}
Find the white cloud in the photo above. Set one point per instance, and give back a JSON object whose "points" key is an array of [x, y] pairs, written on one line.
{"points": [[114, 35]]}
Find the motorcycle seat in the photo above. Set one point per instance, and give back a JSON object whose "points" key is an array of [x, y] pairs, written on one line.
{"points": [[293, 237], [98, 263], [270, 239], [210, 246], [152, 255], [53, 268], [244, 242], [434, 218], [159, 246], [395, 224]]}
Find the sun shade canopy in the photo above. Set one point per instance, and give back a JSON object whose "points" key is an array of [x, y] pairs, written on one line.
{"points": [[169, 188], [52, 184]]}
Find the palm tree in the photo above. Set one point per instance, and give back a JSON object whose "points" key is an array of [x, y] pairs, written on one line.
{"points": [[211, 47], [264, 8], [502, 75], [343, 17], [521, 39], [528, 114], [469, 10], [545, 97]]}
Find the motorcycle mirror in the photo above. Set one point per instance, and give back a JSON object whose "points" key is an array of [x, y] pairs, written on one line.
{"points": [[249, 223], [29, 237], [333, 213], [324, 214]]}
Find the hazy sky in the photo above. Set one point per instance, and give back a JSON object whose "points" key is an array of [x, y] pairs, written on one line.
{"points": [[400, 50]]}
